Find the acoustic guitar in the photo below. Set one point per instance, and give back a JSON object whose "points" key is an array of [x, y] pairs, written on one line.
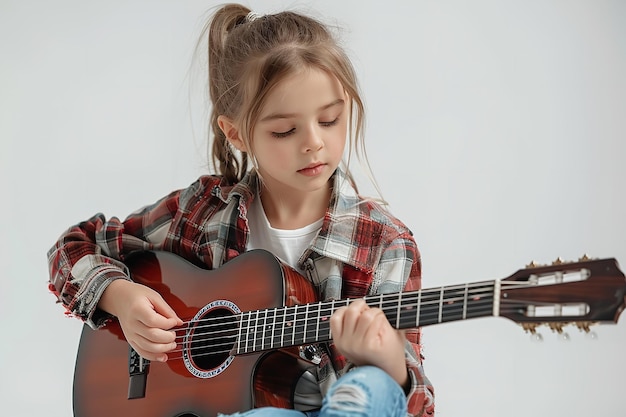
{"points": [[249, 326]]}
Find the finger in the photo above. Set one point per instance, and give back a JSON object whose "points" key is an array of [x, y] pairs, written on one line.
{"points": [[352, 315], [152, 314], [156, 335], [155, 357], [370, 322], [165, 310], [336, 322], [358, 305], [151, 350]]}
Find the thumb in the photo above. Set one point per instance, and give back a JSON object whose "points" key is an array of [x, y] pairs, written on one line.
{"points": [[165, 310]]}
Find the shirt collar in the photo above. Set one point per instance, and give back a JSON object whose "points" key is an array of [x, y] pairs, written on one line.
{"points": [[346, 228], [348, 233]]}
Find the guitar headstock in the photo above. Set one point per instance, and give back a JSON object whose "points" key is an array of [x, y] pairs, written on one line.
{"points": [[581, 293]]}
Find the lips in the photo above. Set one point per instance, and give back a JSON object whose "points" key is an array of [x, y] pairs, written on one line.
{"points": [[312, 169]]}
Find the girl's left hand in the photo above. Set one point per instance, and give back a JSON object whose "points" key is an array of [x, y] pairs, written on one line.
{"points": [[365, 337]]}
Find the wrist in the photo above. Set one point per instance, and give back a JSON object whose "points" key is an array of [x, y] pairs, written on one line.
{"points": [[112, 295]]}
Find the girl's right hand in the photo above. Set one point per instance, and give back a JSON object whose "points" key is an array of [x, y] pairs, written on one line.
{"points": [[145, 318]]}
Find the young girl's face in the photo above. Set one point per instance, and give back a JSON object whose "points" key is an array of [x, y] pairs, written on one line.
{"points": [[300, 136]]}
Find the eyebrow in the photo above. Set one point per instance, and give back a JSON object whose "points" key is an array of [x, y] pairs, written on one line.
{"points": [[275, 116]]}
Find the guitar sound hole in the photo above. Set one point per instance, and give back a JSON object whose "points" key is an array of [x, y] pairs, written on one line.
{"points": [[213, 338]]}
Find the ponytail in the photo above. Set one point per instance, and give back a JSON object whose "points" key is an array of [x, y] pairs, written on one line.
{"points": [[224, 160]]}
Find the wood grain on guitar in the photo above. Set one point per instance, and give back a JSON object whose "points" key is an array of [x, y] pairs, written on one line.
{"points": [[244, 322]]}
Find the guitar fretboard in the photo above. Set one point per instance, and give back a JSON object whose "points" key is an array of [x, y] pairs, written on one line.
{"points": [[308, 323]]}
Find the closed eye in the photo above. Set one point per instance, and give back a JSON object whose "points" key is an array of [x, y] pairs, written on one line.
{"points": [[286, 133], [280, 135], [331, 123]]}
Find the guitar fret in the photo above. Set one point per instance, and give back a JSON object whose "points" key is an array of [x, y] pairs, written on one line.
{"points": [[273, 329], [293, 325], [324, 327], [309, 325], [317, 324], [254, 332], [397, 326], [247, 345], [440, 305], [282, 332], [263, 336], [243, 341], [419, 312], [332, 310], [290, 325], [239, 335], [465, 302], [306, 323]]}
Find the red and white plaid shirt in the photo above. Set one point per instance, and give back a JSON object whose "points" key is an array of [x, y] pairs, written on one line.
{"points": [[206, 223]]}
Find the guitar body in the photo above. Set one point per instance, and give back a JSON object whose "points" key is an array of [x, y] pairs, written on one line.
{"points": [[222, 382]]}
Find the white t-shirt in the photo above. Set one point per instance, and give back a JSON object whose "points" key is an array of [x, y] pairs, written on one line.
{"points": [[286, 245]]}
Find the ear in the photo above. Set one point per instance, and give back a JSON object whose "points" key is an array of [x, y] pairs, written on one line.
{"points": [[231, 131]]}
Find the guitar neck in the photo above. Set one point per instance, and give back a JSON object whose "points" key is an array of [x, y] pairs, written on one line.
{"points": [[309, 323]]}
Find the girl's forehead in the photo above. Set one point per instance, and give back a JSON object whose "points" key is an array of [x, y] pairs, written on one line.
{"points": [[307, 90]]}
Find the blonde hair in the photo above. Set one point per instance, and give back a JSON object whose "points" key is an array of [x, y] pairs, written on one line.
{"points": [[248, 55]]}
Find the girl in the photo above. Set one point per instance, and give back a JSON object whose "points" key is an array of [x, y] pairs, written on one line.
{"points": [[284, 103]]}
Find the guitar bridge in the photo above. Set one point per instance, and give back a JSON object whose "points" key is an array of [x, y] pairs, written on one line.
{"points": [[137, 374]]}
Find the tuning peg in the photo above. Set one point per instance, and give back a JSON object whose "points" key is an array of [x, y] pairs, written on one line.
{"points": [[558, 261], [533, 264], [532, 329], [584, 258], [556, 327], [584, 326]]}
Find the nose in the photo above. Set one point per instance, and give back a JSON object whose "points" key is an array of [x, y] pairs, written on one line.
{"points": [[313, 139]]}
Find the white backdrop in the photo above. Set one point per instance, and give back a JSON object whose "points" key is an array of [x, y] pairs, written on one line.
{"points": [[495, 129]]}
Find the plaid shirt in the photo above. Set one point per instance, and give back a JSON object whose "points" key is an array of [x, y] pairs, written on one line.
{"points": [[361, 249]]}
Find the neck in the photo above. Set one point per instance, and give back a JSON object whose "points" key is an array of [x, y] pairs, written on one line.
{"points": [[294, 210], [302, 324]]}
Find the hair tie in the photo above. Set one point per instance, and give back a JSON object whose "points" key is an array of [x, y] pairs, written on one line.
{"points": [[251, 17]]}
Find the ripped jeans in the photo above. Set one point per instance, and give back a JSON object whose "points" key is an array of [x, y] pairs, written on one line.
{"points": [[363, 392]]}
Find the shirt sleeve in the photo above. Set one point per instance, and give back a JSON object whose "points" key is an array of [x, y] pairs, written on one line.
{"points": [[400, 269], [88, 256]]}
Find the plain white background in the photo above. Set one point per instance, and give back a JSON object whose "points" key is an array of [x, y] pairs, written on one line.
{"points": [[495, 129]]}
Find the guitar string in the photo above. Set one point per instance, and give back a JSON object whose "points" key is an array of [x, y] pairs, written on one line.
{"points": [[392, 297], [488, 308], [389, 300], [435, 294], [390, 306], [300, 334], [293, 322]]}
